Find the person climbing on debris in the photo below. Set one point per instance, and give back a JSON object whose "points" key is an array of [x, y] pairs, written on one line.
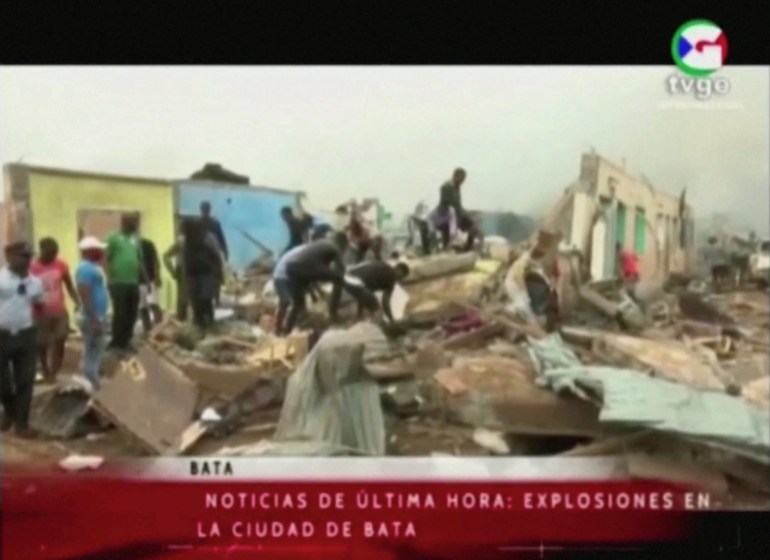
{"points": [[204, 265], [93, 311], [450, 211], [375, 276], [149, 310], [174, 263], [52, 319], [20, 293]]}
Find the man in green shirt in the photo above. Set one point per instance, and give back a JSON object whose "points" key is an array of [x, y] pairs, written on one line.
{"points": [[124, 274]]}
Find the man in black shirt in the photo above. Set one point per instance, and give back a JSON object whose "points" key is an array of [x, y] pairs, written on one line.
{"points": [[298, 228], [149, 310], [320, 261], [215, 228], [375, 276], [203, 265]]}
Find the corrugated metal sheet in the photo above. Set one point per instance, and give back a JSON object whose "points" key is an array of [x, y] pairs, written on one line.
{"points": [[632, 398], [254, 210], [332, 399]]}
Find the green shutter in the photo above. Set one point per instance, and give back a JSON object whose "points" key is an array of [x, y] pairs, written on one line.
{"points": [[640, 232], [620, 224]]}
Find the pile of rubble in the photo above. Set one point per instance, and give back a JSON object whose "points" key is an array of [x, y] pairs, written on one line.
{"points": [[679, 389]]}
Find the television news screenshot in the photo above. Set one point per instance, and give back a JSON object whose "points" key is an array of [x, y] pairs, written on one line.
{"points": [[389, 311]]}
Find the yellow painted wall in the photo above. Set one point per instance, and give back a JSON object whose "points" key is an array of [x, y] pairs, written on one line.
{"points": [[56, 199]]}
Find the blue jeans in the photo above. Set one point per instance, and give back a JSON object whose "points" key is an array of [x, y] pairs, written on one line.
{"points": [[93, 349]]}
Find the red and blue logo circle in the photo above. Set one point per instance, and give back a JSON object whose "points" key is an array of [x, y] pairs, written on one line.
{"points": [[699, 47]]}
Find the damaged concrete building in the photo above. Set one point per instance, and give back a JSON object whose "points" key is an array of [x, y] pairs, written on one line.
{"points": [[607, 205]]}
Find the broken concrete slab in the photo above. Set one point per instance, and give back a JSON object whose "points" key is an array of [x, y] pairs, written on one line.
{"points": [[436, 266], [628, 315], [661, 468], [500, 394], [153, 403], [670, 360]]}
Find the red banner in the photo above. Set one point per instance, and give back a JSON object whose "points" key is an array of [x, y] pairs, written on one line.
{"points": [[93, 515]]}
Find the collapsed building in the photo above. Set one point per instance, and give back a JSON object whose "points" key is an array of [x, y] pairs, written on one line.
{"points": [[607, 205]]}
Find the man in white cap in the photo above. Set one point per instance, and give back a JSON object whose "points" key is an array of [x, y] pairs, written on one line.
{"points": [[92, 289]]}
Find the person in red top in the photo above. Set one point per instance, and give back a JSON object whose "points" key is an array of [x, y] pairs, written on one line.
{"points": [[52, 318], [629, 270]]}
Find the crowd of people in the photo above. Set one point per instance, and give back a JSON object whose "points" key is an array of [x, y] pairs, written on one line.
{"points": [[123, 274]]}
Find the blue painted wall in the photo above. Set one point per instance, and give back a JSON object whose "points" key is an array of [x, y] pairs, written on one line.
{"points": [[252, 209]]}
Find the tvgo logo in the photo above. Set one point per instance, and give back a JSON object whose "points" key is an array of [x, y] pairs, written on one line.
{"points": [[699, 49]]}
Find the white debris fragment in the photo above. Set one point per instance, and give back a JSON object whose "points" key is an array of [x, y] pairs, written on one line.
{"points": [[81, 462], [492, 441], [210, 415]]}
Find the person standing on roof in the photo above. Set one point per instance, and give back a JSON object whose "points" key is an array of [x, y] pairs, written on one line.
{"points": [[450, 202], [52, 320]]}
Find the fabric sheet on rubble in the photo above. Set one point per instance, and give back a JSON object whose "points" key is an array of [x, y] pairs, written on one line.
{"points": [[631, 398], [331, 398]]}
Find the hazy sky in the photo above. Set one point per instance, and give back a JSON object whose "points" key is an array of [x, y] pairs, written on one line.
{"points": [[397, 132]]}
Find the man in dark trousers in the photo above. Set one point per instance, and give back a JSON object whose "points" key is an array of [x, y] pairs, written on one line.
{"points": [[124, 274], [319, 261], [450, 201], [174, 263], [19, 293], [375, 276], [203, 265], [149, 309], [215, 228]]}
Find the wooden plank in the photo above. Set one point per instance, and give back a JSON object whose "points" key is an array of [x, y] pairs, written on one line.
{"points": [[439, 265], [153, 404]]}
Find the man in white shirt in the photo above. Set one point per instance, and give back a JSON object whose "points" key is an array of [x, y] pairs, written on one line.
{"points": [[19, 292], [282, 286]]}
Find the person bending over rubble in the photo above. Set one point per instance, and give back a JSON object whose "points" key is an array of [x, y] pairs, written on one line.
{"points": [[282, 286], [376, 276], [320, 261]]}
